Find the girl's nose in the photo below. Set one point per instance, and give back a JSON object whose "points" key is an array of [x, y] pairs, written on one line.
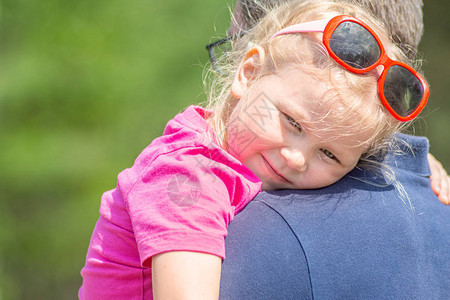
{"points": [[294, 158]]}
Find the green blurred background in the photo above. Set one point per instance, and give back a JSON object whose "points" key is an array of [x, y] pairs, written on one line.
{"points": [[84, 87]]}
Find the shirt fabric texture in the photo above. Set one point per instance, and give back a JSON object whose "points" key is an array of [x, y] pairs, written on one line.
{"points": [[180, 195], [351, 240]]}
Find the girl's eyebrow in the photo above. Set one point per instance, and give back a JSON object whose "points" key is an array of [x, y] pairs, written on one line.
{"points": [[289, 109]]}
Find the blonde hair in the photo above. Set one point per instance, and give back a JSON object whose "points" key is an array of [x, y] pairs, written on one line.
{"points": [[357, 93]]}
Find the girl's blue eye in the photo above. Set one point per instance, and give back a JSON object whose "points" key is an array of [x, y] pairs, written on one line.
{"points": [[293, 122], [329, 154]]}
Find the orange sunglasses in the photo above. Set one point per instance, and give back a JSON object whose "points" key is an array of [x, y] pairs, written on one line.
{"points": [[356, 47]]}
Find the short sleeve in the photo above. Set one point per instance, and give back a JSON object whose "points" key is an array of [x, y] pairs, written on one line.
{"points": [[182, 201]]}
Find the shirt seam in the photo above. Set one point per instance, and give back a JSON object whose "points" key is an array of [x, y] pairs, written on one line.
{"points": [[187, 232], [299, 242], [210, 237]]}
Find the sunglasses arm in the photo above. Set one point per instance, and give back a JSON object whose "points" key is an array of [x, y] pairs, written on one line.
{"points": [[313, 26]]}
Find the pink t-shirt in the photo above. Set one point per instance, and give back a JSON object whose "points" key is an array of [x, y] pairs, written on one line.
{"points": [[181, 193]]}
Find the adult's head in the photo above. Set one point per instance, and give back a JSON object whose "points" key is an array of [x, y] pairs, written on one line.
{"points": [[402, 18]]}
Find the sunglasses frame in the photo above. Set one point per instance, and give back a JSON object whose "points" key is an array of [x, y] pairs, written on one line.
{"points": [[329, 26], [210, 48]]}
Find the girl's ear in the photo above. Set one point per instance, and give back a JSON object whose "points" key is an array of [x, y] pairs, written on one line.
{"points": [[249, 67]]}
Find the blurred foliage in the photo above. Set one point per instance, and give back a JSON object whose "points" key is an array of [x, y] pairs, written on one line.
{"points": [[435, 49], [84, 87]]}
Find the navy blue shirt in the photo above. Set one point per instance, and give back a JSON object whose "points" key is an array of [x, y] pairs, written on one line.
{"points": [[356, 239]]}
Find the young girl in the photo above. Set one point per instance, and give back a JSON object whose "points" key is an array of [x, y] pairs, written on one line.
{"points": [[294, 113]]}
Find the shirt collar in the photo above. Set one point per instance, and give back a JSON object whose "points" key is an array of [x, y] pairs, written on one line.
{"points": [[410, 154]]}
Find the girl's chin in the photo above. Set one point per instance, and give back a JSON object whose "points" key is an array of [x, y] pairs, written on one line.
{"points": [[270, 186]]}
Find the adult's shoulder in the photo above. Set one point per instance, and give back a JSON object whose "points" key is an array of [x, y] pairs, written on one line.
{"points": [[359, 240], [409, 153], [261, 264]]}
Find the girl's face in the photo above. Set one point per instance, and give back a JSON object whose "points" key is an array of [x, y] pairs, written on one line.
{"points": [[282, 129]]}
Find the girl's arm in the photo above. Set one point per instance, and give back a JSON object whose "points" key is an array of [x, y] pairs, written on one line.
{"points": [[186, 275], [440, 181]]}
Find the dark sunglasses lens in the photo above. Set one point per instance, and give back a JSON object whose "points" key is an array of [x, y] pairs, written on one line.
{"points": [[355, 45], [402, 90]]}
